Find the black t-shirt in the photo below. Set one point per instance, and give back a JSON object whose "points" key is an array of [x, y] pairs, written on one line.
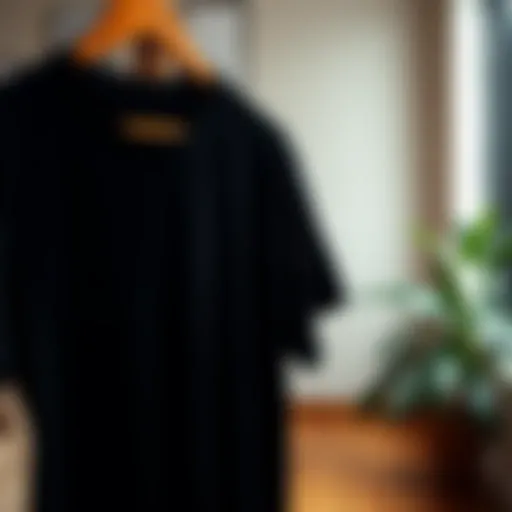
{"points": [[158, 259]]}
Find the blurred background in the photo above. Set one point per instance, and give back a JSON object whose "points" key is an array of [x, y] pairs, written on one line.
{"points": [[400, 110]]}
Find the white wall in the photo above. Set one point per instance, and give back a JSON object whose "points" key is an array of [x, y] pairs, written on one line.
{"points": [[220, 29], [336, 72], [469, 109]]}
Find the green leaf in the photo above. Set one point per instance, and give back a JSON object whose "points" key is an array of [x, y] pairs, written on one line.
{"points": [[477, 238], [482, 401], [424, 384], [397, 351], [501, 257], [495, 330], [408, 379], [447, 373], [404, 395], [418, 300], [447, 284]]}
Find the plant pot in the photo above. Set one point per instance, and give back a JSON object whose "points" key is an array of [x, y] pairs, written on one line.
{"points": [[437, 455], [497, 457]]}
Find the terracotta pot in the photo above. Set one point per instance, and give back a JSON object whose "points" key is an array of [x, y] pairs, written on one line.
{"points": [[435, 454]]}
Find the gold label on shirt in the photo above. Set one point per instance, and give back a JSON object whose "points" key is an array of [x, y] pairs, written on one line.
{"points": [[154, 129]]}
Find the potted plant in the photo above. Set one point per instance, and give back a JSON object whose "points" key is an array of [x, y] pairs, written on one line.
{"points": [[449, 364]]}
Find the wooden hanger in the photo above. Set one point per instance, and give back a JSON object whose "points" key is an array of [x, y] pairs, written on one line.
{"points": [[149, 21]]}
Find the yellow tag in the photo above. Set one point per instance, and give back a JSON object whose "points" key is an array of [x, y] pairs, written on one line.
{"points": [[154, 129]]}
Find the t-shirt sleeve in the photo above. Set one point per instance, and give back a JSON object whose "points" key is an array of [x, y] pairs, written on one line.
{"points": [[305, 279], [8, 133]]}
